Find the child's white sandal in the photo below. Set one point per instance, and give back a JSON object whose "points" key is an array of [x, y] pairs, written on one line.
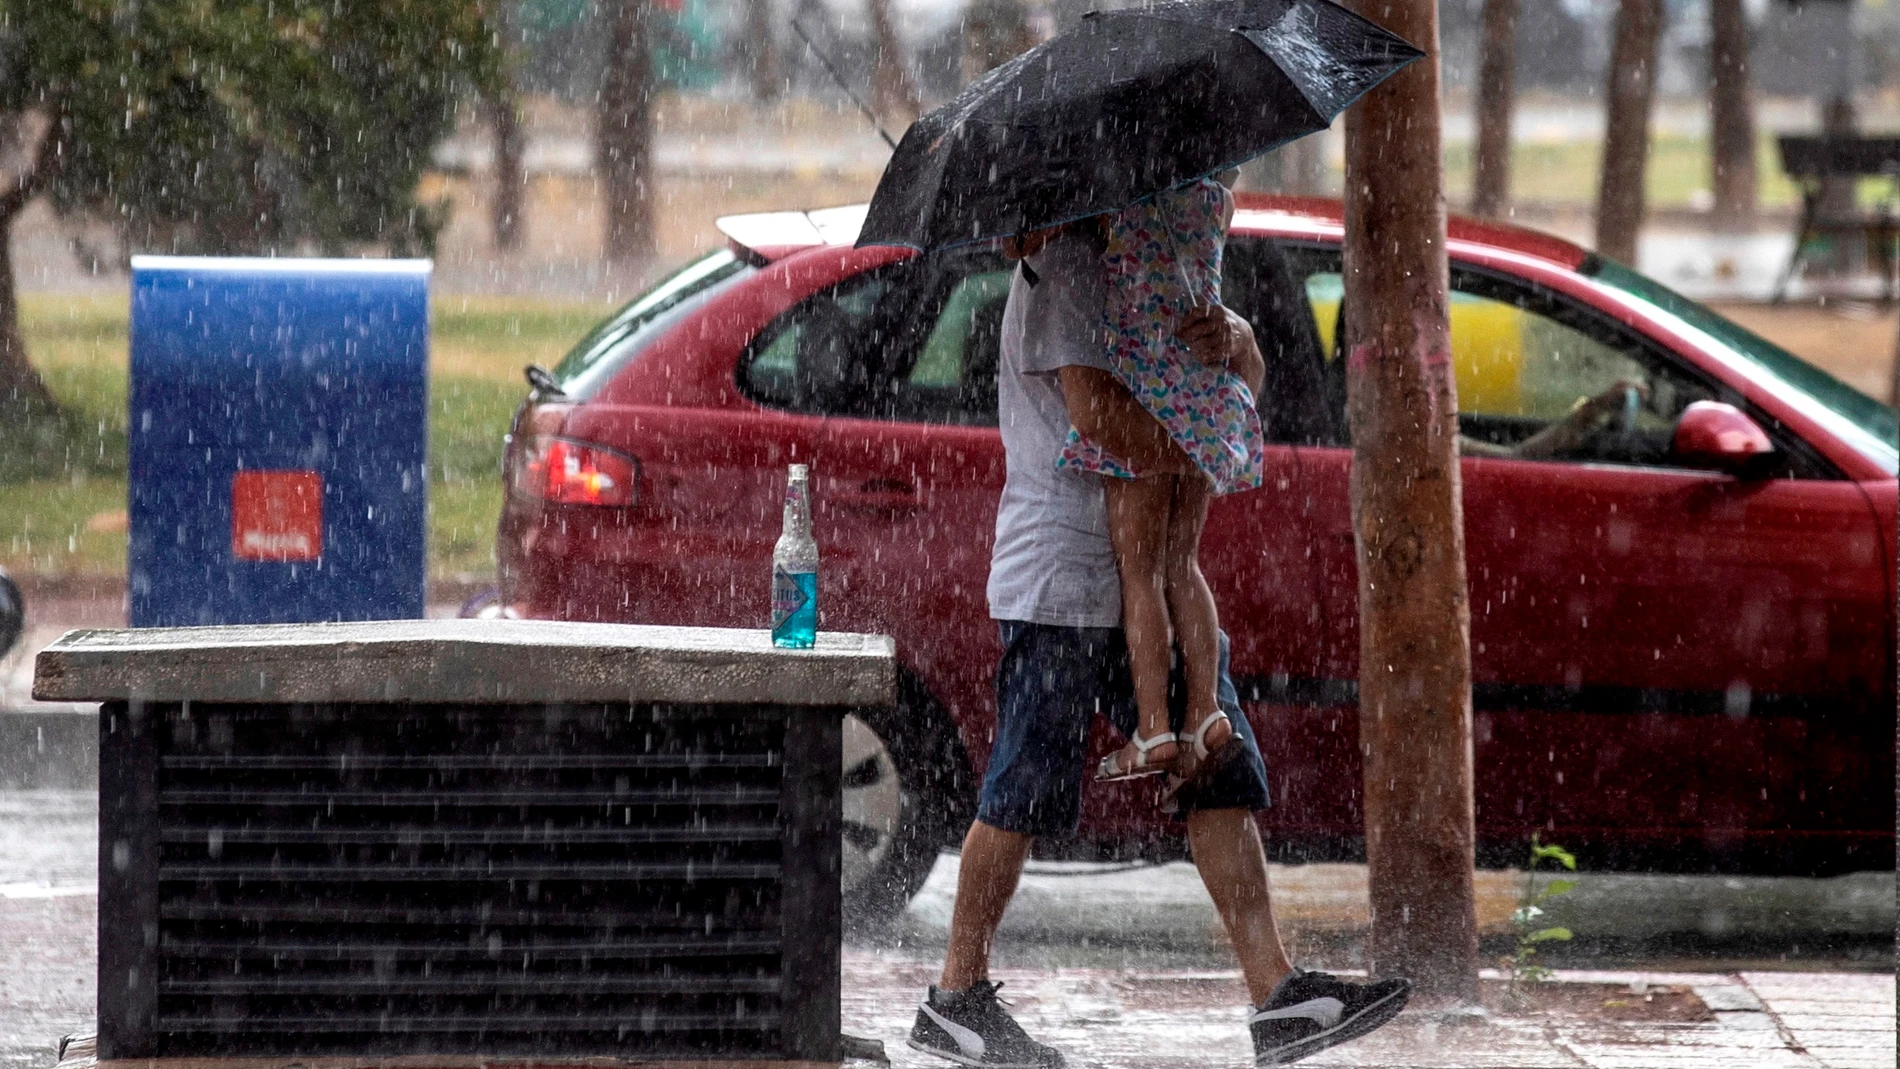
{"points": [[1111, 771]]}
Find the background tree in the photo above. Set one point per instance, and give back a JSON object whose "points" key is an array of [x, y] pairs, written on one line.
{"points": [[1731, 114], [759, 53], [1497, 99], [894, 93], [23, 394], [623, 131], [1632, 93], [994, 31], [230, 127], [504, 117]]}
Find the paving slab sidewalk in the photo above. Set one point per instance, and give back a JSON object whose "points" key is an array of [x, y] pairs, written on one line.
{"points": [[1165, 1018]]}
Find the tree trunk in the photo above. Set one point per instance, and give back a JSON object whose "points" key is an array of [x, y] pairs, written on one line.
{"points": [[504, 118], [1632, 91], [510, 178], [1408, 527], [1731, 115], [1497, 99], [759, 52], [893, 94], [1893, 384], [1838, 122], [994, 32], [1297, 168], [623, 135], [22, 390]]}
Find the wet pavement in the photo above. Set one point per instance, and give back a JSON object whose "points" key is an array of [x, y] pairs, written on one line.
{"points": [[1124, 965], [1157, 1019], [1127, 967]]}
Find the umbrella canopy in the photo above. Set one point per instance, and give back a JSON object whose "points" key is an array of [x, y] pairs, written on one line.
{"points": [[1129, 103]]}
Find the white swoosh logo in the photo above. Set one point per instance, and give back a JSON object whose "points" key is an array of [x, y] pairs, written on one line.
{"points": [[970, 1043], [1324, 1012]]}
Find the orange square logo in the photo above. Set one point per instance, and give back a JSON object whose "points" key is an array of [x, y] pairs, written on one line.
{"points": [[277, 515]]}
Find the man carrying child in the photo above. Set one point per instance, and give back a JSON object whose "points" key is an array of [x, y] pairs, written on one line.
{"points": [[1055, 594]]}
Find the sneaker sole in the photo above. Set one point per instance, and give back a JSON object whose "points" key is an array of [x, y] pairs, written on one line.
{"points": [[961, 1058], [1345, 1031]]}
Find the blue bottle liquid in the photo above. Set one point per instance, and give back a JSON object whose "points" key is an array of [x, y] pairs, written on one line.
{"points": [[794, 609], [795, 569]]}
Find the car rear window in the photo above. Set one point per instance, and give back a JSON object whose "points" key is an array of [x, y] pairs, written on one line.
{"points": [[620, 339]]}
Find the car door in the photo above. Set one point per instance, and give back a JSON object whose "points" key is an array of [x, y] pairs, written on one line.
{"points": [[1257, 554], [1668, 663], [885, 384]]}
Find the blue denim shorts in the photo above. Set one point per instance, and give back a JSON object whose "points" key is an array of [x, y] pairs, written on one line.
{"points": [[1050, 685]]}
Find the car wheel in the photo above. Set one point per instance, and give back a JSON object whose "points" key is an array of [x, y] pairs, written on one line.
{"points": [[900, 809]]}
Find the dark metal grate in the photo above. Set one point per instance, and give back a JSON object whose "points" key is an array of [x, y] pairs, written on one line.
{"points": [[398, 879]]}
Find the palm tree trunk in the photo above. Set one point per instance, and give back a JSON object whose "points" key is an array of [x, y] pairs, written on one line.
{"points": [[623, 135], [1632, 93], [759, 52], [1497, 92], [893, 94], [510, 177], [1731, 115]]}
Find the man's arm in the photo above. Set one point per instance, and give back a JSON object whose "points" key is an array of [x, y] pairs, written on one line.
{"points": [[1103, 410]]}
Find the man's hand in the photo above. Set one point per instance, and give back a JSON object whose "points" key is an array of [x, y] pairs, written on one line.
{"points": [[1221, 337], [1103, 410]]}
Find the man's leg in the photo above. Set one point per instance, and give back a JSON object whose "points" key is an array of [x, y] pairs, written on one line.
{"points": [[1295, 1013], [1046, 693], [992, 864], [1233, 867]]}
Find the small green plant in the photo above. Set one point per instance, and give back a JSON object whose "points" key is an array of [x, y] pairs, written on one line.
{"points": [[1522, 964]]}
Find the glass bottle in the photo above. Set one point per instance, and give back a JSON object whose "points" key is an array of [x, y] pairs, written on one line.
{"points": [[795, 569]]}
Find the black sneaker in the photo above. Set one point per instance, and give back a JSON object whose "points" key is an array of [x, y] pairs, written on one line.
{"points": [[972, 1028], [1311, 1011]]}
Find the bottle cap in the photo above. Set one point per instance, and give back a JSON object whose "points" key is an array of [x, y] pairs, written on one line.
{"points": [[798, 471]]}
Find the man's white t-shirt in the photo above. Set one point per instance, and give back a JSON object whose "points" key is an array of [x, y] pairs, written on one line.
{"points": [[1053, 563]]}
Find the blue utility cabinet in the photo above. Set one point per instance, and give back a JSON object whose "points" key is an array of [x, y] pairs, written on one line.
{"points": [[279, 440]]}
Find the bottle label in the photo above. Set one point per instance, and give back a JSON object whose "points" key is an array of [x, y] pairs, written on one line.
{"points": [[788, 596]]}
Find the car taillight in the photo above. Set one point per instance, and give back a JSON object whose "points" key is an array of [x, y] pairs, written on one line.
{"points": [[568, 472]]}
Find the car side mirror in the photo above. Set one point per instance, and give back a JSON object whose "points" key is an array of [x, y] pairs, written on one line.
{"points": [[1720, 437]]}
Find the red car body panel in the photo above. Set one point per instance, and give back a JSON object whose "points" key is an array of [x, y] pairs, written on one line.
{"points": [[1610, 605]]}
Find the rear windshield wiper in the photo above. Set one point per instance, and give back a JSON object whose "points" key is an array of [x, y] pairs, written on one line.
{"points": [[543, 382]]}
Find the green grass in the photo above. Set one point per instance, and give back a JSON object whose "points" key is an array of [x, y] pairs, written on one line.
{"points": [[62, 482], [1678, 169], [63, 526], [1567, 172]]}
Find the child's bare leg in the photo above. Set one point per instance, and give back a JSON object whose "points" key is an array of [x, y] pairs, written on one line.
{"points": [[1191, 606], [1138, 529]]}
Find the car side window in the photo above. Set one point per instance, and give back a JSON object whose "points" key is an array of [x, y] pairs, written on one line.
{"points": [[914, 342], [1526, 358], [953, 376], [1272, 290], [817, 357], [1528, 361]]}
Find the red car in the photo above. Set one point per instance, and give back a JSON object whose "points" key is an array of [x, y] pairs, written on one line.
{"points": [[1682, 626]]}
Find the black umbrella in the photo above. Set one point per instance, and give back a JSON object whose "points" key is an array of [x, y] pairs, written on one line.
{"points": [[1129, 103]]}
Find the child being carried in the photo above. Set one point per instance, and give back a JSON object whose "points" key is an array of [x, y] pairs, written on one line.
{"points": [[1163, 261]]}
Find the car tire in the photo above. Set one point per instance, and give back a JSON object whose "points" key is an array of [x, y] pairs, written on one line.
{"points": [[12, 613], [907, 794]]}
